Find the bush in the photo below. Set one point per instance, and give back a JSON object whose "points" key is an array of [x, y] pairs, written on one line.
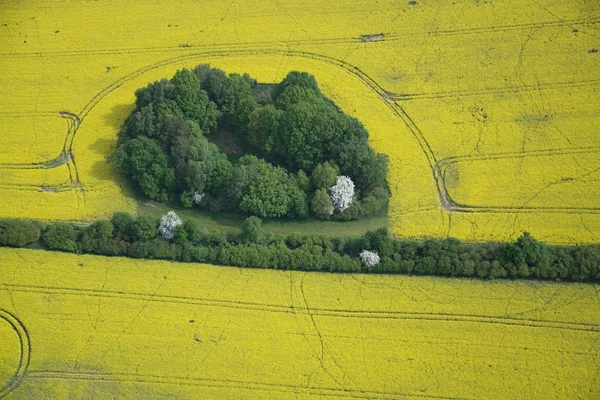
{"points": [[18, 232], [123, 225], [145, 227], [252, 230], [61, 236]]}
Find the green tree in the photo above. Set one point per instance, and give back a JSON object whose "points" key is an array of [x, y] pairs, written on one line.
{"points": [[61, 236], [325, 175], [214, 81], [206, 165], [100, 230], [19, 232], [268, 192], [142, 123], [239, 102], [321, 204], [303, 181], [194, 101], [252, 229], [145, 227], [143, 160], [122, 225], [263, 128], [154, 93], [296, 78], [194, 231]]}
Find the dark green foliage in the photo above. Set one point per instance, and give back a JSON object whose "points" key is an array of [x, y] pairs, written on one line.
{"points": [[263, 128], [61, 236], [194, 231], [194, 101], [122, 225], [239, 102], [98, 232], [530, 256], [214, 81], [162, 147], [297, 205], [143, 160], [270, 192], [306, 133], [19, 232], [181, 235], [378, 241], [252, 230], [145, 227], [155, 92], [296, 78], [302, 181]]}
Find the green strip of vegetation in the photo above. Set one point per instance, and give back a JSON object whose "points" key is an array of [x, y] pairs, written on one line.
{"points": [[169, 238], [232, 222]]}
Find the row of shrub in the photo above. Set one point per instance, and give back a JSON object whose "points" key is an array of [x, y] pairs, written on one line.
{"points": [[138, 237]]}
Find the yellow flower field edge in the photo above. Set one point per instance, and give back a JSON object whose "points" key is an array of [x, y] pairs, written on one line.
{"points": [[97, 327], [172, 239]]}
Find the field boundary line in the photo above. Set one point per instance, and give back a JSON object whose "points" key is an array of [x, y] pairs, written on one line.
{"points": [[24, 353]]}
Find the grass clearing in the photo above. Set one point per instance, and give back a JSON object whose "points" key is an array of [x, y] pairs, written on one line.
{"points": [[232, 223]]}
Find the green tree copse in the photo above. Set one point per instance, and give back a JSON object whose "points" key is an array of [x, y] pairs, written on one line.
{"points": [[163, 149]]}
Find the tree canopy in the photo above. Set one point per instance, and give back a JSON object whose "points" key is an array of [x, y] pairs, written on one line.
{"points": [[167, 147]]}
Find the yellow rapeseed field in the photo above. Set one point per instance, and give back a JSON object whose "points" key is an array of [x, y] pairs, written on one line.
{"points": [[97, 327], [488, 110]]}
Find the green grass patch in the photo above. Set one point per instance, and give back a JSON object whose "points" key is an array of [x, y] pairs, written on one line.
{"points": [[230, 222]]}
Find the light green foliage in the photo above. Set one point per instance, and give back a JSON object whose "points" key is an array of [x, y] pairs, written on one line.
{"points": [[325, 175], [321, 204], [252, 229]]}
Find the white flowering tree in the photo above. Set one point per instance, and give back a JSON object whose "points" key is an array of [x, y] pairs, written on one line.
{"points": [[369, 258], [168, 223], [197, 197], [342, 193]]}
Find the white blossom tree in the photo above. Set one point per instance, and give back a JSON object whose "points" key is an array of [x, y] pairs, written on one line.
{"points": [[168, 223], [369, 258], [197, 197], [342, 193]]}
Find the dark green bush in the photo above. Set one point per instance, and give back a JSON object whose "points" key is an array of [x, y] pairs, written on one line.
{"points": [[19, 232], [61, 236]]}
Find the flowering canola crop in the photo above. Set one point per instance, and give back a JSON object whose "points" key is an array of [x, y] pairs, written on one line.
{"points": [[97, 327]]}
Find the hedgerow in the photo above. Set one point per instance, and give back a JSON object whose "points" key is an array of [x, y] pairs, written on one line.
{"points": [[139, 237]]}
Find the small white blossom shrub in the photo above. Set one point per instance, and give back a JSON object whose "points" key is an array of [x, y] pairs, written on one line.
{"points": [[342, 193], [197, 198], [369, 258], [168, 223]]}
